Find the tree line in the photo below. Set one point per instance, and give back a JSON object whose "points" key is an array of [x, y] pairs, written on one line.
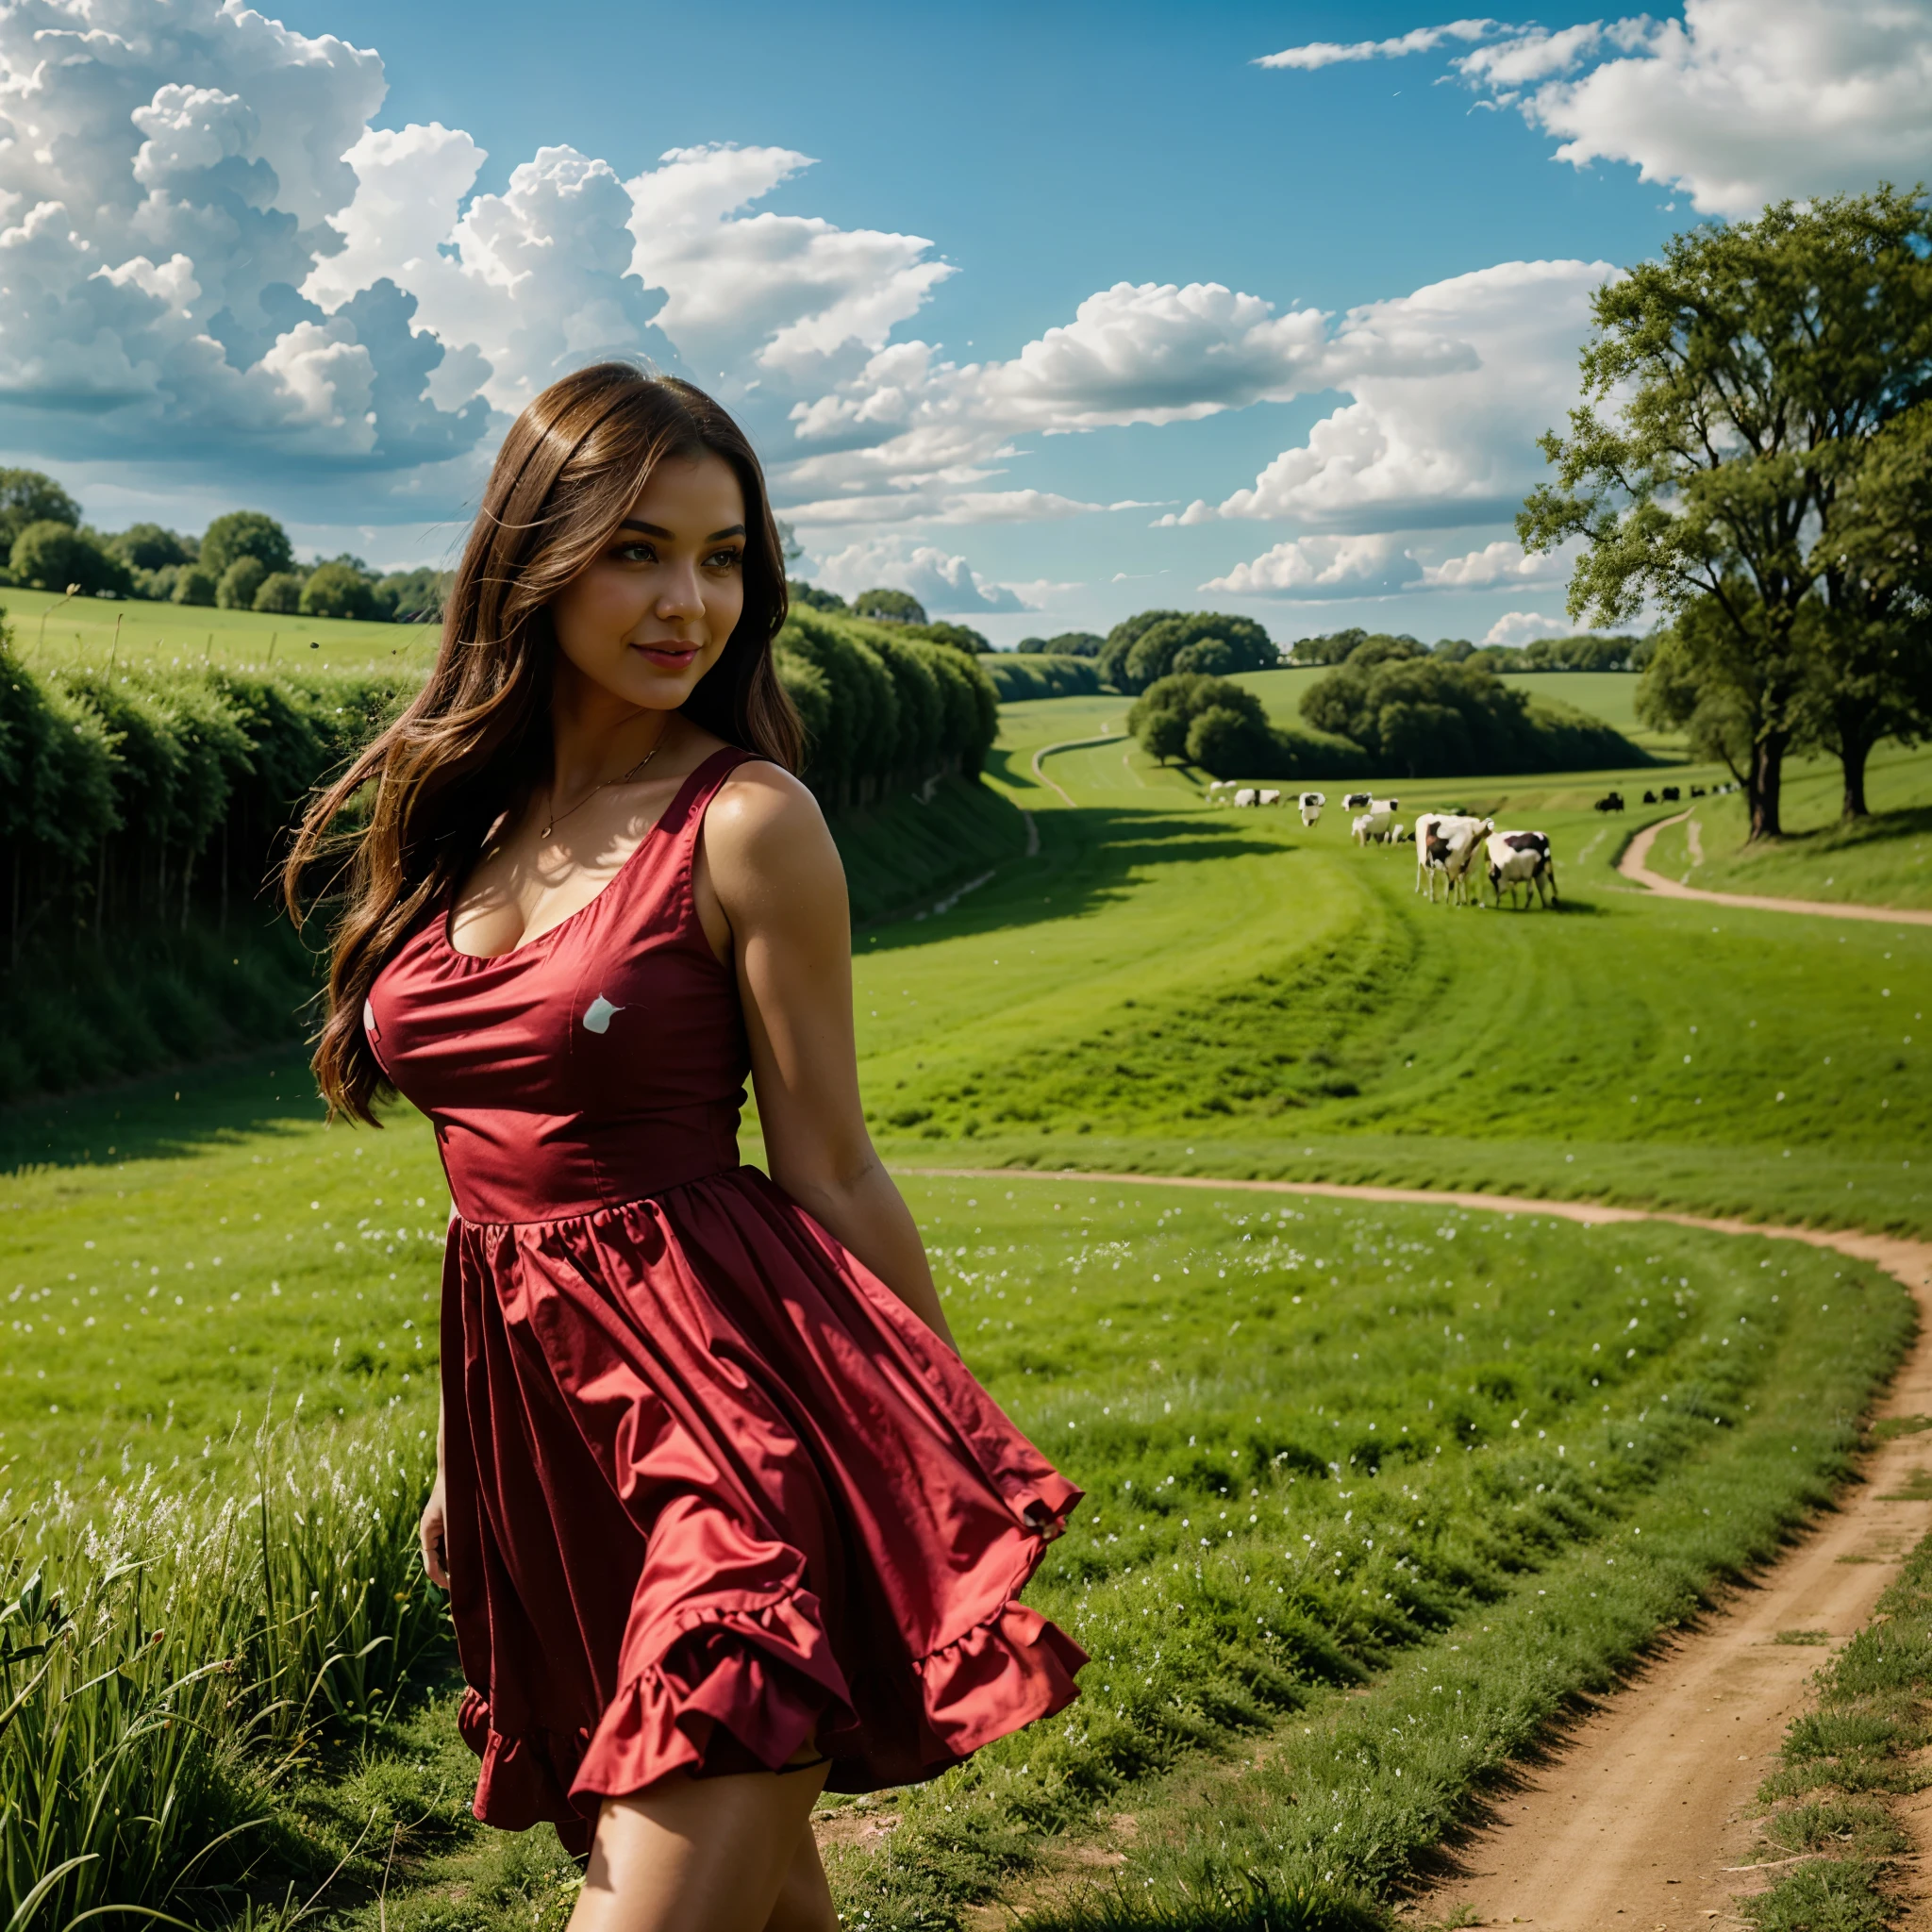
{"points": [[142, 794], [1585, 651], [1754, 456], [242, 562]]}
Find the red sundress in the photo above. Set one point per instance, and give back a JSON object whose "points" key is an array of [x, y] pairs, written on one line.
{"points": [[714, 1490]]}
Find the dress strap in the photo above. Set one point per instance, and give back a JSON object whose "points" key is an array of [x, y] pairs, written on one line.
{"points": [[686, 812]]}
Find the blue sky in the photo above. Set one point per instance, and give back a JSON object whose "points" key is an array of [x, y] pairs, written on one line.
{"points": [[1311, 315]]}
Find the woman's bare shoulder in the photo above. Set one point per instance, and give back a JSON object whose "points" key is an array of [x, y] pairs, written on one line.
{"points": [[761, 817]]}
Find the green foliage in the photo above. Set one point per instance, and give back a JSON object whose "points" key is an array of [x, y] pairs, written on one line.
{"points": [[961, 637], [51, 555], [1587, 651], [1144, 649], [1068, 643], [246, 533], [1420, 716], [166, 1659], [1018, 676], [151, 547], [280, 593], [415, 596], [338, 589], [26, 497], [1331, 648], [195, 583], [1225, 728], [884, 707], [811, 597], [236, 588], [1755, 370], [894, 606]]}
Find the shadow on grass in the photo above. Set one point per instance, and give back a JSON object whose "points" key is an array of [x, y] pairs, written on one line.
{"points": [[1088, 859], [165, 1116]]}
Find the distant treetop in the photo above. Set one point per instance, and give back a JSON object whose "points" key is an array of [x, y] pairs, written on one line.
{"points": [[893, 607]]}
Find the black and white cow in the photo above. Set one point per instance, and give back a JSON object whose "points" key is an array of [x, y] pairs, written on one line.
{"points": [[1521, 858], [1445, 843], [1311, 804]]}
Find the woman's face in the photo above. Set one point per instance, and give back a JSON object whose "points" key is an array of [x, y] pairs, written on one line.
{"points": [[653, 611]]}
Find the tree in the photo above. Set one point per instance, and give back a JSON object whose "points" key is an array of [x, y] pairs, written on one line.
{"points": [[280, 593], [1068, 643], [26, 497], [1754, 371], [246, 533], [1143, 650], [960, 636], [1422, 715], [415, 596], [50, 555], [337, 589], [236, 588], [1332, 649], [195, 584], [811, 597], [149, 546], [1122, 639], [1165, 736], [889, 606]]}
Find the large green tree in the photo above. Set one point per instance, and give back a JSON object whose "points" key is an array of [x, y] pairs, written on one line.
{"points": [[1733, 393], [246, 533], [26, 497]]}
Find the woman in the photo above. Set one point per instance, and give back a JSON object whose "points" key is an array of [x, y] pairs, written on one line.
{"points": [[723, 1519]]}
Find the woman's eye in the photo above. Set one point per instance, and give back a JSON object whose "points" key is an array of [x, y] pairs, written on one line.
{"points": [[725, 560], [636, 553]]}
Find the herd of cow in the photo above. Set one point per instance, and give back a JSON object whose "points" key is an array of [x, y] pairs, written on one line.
{"points": [[1448, 846]]}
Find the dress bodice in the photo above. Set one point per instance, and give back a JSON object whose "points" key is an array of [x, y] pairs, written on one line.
{"points": [[603, 1061]]}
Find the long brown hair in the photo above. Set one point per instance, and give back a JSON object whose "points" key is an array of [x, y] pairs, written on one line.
{"points": [[437, 778]]}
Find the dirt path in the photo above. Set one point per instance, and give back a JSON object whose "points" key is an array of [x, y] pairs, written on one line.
{"points": [[1644, 1811], [1634, 865], [1046, 751]]}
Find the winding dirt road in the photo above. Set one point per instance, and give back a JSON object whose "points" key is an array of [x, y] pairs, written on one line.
{"points": [[1634, 865], [1644, 1811]]}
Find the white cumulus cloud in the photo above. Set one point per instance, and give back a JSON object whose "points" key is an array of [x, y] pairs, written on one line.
{"points": [[1738, 103], [1364, 566], [1515, 628], [946, 585], [1503, 563], [1440, 444]]}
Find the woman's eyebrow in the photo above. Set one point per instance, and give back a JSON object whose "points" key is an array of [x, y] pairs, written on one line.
{"points": [[657, 530]]}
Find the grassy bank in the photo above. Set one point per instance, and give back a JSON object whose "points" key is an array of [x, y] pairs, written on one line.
{"points": [[1885, 860]]}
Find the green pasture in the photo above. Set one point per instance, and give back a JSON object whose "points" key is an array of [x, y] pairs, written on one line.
{"points": [[1880, 861], [1372, 1489], [1410, 1454], [50, 632]]}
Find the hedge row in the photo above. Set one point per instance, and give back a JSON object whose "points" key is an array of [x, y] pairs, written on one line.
{"points": [[132, 797], [1018, 675]]}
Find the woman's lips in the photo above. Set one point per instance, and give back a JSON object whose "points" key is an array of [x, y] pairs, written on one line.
{"points": [[673, 655]]}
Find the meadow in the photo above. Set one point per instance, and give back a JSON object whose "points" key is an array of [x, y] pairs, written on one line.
{"points": [[1372, 1490]]}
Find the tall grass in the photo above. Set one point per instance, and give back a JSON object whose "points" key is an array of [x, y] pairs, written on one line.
{"points": [[169, 1661]]}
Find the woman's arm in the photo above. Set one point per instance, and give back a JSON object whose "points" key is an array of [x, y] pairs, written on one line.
{"points": [[777, 896]]}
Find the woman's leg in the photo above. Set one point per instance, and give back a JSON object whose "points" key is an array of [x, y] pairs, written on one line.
{"points": [[805, 1900], [700, 1855]]}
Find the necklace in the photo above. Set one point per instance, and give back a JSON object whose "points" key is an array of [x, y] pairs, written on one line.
{"points": [[556, 818]]}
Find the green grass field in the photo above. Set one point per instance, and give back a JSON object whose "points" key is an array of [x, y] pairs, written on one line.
{"points": [[1372, 1491], [1880, 861], [51, 631]]}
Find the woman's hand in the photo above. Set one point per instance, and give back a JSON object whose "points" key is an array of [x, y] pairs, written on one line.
{"points": [[771, 892], [435, 1548]]}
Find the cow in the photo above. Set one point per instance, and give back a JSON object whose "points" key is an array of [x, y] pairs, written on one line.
{"points": [[1445, 843], [1611, 800], [1245, 795], [1672, 794], [1373, 823], [1311, 804], [1698, 791], [1356, 801], [1396, 835], [1650, 798], [1269, 798], [1521, 858]]}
